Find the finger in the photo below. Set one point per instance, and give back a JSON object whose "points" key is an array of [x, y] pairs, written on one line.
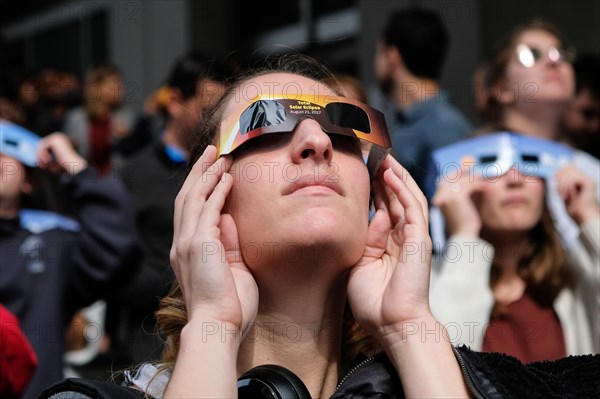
{"points": [[444, 192], [407, 179], [378, 231], [207, 158], [210, 219], [197, 199], [392, 205], [200, 229], [403, 174], [211, 212], [413, 209], [379, 195], [205, 161], [43, 154], [440, 197]]}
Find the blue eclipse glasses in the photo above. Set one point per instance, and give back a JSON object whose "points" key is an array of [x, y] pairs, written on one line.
{"points": [[493, 155], [19, 143]]}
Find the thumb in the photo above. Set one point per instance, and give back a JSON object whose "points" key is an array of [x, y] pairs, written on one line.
{"points": [[377, 236]]}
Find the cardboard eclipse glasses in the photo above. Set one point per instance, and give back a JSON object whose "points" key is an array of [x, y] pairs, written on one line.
{"points": [[282, 113], [493, 155]]}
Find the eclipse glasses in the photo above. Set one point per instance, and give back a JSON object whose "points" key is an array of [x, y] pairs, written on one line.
{"points": [[19, 143], [528, 56], [493, 155], [280, 113]]}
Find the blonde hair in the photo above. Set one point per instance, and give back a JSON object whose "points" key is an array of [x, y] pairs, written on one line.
{"points": [[94, 105]]}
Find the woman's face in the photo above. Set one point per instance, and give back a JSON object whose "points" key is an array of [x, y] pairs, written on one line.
{"points": [[112, 90], [301, 192], [512, 202], [545, 81], [14, 178]]}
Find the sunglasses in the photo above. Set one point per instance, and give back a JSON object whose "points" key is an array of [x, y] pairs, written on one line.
{"points": [[528, 56], [280, 113]]}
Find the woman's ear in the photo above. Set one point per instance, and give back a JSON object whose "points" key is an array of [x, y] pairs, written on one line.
{"points": [[27, 184], [394, 57], [174, 105]]}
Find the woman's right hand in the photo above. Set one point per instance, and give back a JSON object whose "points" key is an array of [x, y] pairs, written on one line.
{"points": [[57, 155], [455, 200], [216, 284]]}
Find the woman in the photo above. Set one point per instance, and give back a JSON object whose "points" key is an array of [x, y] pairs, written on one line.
{"points": [[52, 264], [97, 128], [506, 285], [530, 84], [257, 255], [530, 81]]}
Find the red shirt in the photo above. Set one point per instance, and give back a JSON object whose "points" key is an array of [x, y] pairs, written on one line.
{"points": [[100, 148], [526, 330]]}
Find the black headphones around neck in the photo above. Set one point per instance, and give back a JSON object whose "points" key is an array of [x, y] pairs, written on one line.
{"points": [[272, 382]]}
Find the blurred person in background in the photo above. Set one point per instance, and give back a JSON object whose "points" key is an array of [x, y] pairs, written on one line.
{"points": [[581, 120], [530, 82], [18, 362], [153, 176], [10, 109], [46, 97], [103, 121], [505, 282], [52, 264], [49, 193], [408, 65]]}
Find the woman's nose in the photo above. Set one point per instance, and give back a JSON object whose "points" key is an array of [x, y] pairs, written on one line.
{"points": [[311, 142], [514, 177]]}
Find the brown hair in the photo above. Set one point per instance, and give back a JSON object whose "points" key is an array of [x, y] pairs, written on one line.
{"points": [[95, 77], [542, 264], [172, 315], [498, 62]]}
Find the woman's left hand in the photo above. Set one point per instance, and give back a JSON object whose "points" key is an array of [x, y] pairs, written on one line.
{"points": [[578, 191], [389, 285]]}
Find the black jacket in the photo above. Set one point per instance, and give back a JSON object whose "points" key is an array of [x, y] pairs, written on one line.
{"points": [[488, 375], [153, 180], [51, 265]]}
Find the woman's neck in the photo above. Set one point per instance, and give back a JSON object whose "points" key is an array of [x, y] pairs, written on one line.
{"points": [[300, 330], [9, 208], [171, 136], [413, 90], [541, 122], [509, 286]]}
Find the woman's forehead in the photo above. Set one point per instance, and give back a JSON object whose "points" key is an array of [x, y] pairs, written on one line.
{"points": [[538, 37], [275, 83]]}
